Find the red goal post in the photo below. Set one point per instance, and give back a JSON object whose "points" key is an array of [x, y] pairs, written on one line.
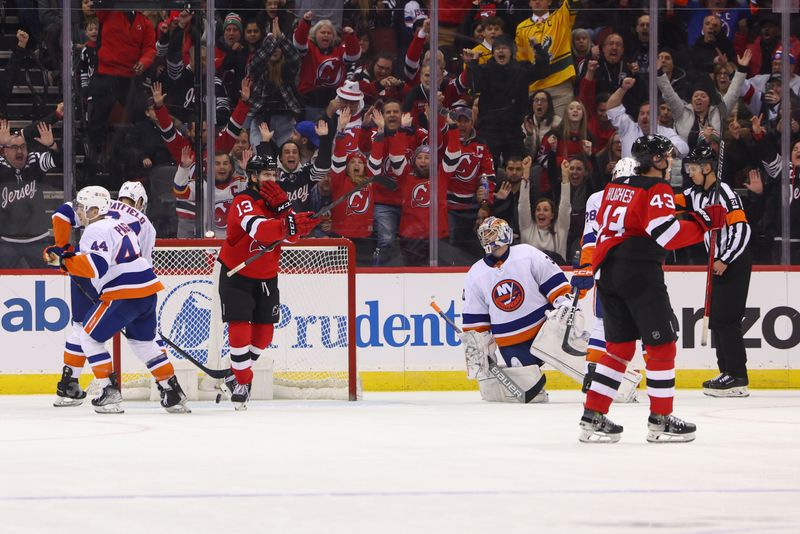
{"points": [[313, 354]]}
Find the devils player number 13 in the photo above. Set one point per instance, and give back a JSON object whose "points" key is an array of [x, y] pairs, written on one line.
{"points": [[244, 207]]}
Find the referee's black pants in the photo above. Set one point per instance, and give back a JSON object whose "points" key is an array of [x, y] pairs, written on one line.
{"points": [[728, 299]]}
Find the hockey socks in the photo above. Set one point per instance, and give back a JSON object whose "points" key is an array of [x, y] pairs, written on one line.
{"points": [[239, 333], [74, 358], [661, 377], [607, 375]]}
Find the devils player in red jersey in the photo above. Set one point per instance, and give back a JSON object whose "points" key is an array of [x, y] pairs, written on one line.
{"points": [[637, 226], [258, 217]]}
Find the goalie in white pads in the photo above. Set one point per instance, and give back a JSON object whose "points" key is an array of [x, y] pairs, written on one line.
{"points": [[507, 297], [583, 280], [110, 253]]}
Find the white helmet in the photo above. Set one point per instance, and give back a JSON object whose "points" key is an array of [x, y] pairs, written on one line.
{"points": [[93, 196], [494, 233], [134, 191], [624, 168]]}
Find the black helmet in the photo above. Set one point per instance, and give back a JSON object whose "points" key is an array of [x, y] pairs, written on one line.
{"points": [[260, 163], [701, 153], [649, 147]]}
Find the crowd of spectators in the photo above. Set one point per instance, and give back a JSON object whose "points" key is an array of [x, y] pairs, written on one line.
{"points": [[538, 101]]}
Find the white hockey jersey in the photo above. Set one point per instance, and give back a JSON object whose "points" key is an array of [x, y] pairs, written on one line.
{"points": [[590, 228], [509, 296], [110, 253], [138, 221]]}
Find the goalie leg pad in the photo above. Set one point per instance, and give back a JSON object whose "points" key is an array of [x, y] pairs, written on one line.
{"points": [[529, 379], [478, 347], [547, 347]]}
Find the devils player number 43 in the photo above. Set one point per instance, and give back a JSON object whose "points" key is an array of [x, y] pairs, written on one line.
{"points": [[616, 222]]}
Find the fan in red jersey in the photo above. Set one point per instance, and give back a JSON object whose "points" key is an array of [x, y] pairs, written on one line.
{"points": [[258, 217], [637, 226]]}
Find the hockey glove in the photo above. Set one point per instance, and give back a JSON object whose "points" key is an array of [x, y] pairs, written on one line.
{"points": [[712, 217], [478, 348], [275, 197], [582, 279], [55, 256], [562, 305], [297, 225]]}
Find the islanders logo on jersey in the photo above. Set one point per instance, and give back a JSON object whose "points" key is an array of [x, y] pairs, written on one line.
{"points": [[420, 195], [358, 202], [508, 295]]}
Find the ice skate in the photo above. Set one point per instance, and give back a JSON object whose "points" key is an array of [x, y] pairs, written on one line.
{"points": [[110, 398], [229, 384], [240, 396], [173, 399], [726, 386], [68, 390], [668, 428], [597, 428]]}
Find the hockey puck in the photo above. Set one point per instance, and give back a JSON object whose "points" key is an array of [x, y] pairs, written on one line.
{"points": [[210, 233], [219, 398]]}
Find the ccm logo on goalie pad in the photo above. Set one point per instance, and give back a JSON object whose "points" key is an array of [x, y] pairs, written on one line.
{"points": [[508, 295]]}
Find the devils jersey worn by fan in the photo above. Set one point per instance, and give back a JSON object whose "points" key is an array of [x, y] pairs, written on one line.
{"points": [[252, 226], [353, 217], [471, 161], [637, 221]]}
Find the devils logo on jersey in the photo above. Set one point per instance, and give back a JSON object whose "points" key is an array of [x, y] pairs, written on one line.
{"points": [[420, 195], [467, 168], [330, 72], [358, 202], [221, 213], [255, 246], [508, 295]]}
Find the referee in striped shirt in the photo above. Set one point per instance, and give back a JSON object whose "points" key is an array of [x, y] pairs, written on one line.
{"points": [[732, 266]]}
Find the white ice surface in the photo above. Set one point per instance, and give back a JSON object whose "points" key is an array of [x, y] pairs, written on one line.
{"points": [[397, 463]]}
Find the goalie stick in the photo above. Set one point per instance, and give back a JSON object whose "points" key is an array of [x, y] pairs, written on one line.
{"points": [[511, 386], [381, 179], [712, 248], [565, 346], [213, 373]]}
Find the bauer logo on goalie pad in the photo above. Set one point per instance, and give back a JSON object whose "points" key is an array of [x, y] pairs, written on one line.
{"points": [[184, 315], [508, 295]]}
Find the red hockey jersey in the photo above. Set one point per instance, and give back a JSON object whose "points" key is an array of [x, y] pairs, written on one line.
{"points": [[353, 217], [318, 68], [637, 221], [252, 226], [472, 160]]}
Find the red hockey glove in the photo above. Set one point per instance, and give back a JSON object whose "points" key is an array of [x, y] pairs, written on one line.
{"points": [[297, 225], [275, 197], [712, 217]]}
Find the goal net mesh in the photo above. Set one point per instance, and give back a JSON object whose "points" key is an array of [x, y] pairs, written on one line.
{"points": [[309, 356]]}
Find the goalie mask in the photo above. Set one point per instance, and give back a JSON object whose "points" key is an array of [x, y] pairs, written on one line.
{"points": [[624, 168], [494, 233], [134, 191], [89, 197]]}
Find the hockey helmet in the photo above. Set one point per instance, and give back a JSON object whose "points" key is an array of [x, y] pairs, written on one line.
{"points": [[649, 149], [624, 168], [261, 163], [92, 196], [701, 153], [134, 191], [494, 233]]}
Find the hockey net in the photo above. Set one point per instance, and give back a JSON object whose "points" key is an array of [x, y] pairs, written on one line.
{"points": [[312, 354]]}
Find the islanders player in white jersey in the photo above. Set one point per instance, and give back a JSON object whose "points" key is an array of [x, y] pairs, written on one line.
{"points": [[129, 208], [507, 296], [109, 253], [583, 280]]}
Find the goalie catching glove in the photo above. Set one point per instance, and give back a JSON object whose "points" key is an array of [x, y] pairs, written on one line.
{"points": [[478, 348]]}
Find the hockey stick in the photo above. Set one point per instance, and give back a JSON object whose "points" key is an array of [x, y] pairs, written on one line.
{"points": [[381, 179], [565, 346], [511, 386], [213, 373], [712, 250]]}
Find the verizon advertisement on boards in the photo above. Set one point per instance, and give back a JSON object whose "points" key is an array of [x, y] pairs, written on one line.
{"points": [[396, 328]]}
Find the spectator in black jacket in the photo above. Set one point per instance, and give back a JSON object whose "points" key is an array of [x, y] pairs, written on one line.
{"points": [[503, 87]]}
